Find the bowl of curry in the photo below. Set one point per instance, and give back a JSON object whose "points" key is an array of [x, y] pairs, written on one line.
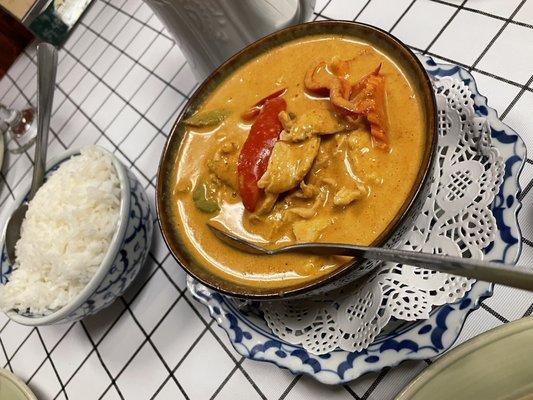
{"points": [[324, 131]]}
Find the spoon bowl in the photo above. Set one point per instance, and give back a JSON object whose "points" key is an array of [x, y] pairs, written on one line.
{"points": [[13, 229]]}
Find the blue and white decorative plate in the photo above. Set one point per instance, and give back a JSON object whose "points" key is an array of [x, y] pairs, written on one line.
{"points": [[125, 256], [400, 340]]}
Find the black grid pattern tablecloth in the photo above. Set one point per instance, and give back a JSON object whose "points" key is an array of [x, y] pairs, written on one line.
{"points": [[121, 84]]}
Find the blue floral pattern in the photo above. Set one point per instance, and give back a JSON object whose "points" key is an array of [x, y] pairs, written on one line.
{"points": [[401, 340], [132, 252]]}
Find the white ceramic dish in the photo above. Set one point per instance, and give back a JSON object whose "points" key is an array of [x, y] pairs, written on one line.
{"points": [[496, 365], [12, 388]]}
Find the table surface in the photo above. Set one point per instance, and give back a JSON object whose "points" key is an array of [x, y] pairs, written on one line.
{"points": [[121, 84]]}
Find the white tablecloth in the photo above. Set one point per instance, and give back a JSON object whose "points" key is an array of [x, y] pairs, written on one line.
{"points": [[121, 84]]}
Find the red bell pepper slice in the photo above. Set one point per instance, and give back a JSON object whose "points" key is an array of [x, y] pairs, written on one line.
{"points": [[253, 112], [256, 150], [364, 98]]}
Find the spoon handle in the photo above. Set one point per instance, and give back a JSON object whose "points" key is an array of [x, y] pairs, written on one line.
{"points": [[46, 78], [508, 275]]}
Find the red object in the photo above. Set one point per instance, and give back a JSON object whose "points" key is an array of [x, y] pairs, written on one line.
{"points": [[256, 150], [256, 108], [365, 98], [14, 37]]}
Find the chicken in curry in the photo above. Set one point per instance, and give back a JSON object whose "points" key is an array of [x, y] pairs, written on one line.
{"points": [[320, 139]]}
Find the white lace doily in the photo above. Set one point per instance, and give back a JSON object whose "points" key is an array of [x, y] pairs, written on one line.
{"points": [[456, 220]]}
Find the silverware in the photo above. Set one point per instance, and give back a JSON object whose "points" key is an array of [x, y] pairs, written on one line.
{"points": [[508, 275], [46, 78]]}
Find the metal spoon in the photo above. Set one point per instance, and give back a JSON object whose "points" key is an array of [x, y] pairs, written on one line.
{"points": [[508, 275], [46, 78]]}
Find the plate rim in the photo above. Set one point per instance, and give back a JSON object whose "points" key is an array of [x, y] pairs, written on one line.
{"points": [[470, 346], [19, 384]]}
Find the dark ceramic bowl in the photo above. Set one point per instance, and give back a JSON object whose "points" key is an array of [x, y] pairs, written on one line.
{"points": [[348, 272]]}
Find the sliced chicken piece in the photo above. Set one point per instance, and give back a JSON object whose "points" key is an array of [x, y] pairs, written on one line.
{"points": [[309, 230], [224, 164], [288, 165], [329, 181], [312, 123], [319, 79], [308, 212], [346, 195], [263, 212], [286, 119], [266, 204], [307, 191]]}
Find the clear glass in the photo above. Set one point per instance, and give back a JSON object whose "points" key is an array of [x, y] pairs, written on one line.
{"points": [[20, 128]]}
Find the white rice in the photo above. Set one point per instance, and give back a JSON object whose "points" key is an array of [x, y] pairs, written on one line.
{"points": [[66, 233]]}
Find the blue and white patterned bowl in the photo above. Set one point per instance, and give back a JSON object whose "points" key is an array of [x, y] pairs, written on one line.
{"points": [[125, 256], [401, 340]]}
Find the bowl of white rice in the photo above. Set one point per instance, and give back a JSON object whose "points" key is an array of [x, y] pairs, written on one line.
{"points": [[84, 239]]}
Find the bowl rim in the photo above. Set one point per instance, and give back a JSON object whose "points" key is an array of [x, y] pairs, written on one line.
{"points": [[19, 383], [249, 292], [107, 262], [470, 347]]}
